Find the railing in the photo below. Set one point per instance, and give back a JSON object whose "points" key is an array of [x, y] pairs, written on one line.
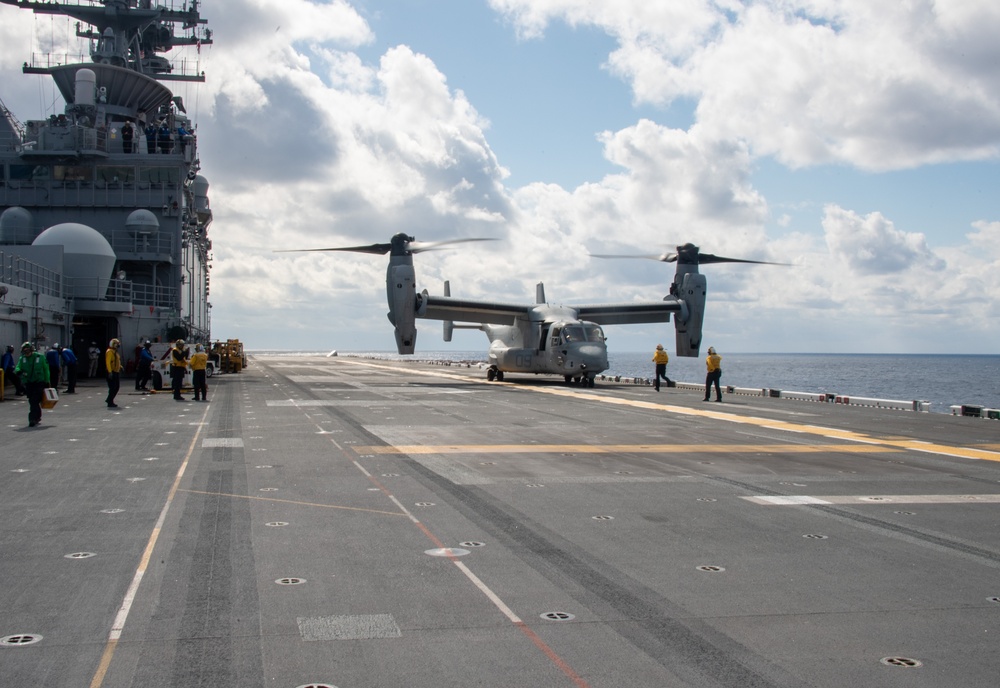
{"points": [[161, 243], [18, 272], [155, 296], [179, 69], [88, 194]]}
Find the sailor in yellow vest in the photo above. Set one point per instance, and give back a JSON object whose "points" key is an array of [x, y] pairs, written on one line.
{"points": [[199, 361], [178, 366], [113, 363], [713, 362], [660, 358]]}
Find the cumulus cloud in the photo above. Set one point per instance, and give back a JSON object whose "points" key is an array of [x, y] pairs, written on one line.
{"points": [[877, 85], [872, 245]]}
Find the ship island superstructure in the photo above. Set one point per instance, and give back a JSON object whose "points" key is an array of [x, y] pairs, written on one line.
{"points": [[104, 219]]}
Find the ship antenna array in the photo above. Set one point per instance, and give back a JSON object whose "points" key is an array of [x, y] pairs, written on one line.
{"points": [[15, 123]]}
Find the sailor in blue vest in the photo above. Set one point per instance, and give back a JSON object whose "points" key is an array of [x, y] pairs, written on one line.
{"points": [[144, 369], [52, 358], [69, 368], [8, 371]]}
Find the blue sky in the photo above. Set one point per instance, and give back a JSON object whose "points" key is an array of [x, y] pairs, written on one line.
{"points": [[857, 141]]}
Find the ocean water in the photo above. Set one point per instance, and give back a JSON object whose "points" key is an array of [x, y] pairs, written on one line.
{"points": [[943, 380]]}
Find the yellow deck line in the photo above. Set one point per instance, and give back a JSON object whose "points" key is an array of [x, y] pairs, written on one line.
{"points": [[769, 423], [621, 449]]}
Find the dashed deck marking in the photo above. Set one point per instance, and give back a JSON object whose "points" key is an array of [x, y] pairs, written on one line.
{"points": [[857, 500]]}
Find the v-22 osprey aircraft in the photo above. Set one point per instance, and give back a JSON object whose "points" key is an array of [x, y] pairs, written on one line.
{"points": [[540, 337]]}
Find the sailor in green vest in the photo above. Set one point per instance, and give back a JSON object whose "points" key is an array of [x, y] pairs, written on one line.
{"points": [[33, 370]]}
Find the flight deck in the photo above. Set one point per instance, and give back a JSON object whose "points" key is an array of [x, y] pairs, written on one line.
{"points": [[343, 522]]}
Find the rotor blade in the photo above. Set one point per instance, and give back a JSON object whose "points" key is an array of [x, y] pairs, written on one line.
{"points": [[420, 246], [662, 257], [378, 249], [705, 258]]}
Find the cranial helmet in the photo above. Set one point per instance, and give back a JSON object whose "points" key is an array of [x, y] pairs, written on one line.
{"points": [[27, 347], [180, 342], [114, 343]]}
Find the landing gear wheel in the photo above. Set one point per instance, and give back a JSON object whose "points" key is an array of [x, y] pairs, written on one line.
{"points": [[491, 374], [499, 376], [569, 379], [588, 381]]}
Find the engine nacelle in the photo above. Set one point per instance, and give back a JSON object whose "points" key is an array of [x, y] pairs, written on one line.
{"points": [[692, 288], [401, 294]]}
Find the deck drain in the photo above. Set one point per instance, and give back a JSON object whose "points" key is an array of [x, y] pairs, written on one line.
{"points": [[290, 581], [317, 685], [20, 470], [135, 480], [815, 536], [487, 463], [79, 555], [557, 616], [152, 458], [423, 504], [20, 639], [534, 485], [472, 543], [112, 511], [446, 552], [623, 472], [277, 524], [263, 466], [905, 513], [390, 475], [874, 499], [268, 489], [603, 518], [711, 568], [707, 499], [993, 599], [901, 662]]}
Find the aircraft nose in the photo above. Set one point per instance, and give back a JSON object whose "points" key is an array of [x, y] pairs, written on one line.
{"points": [[593, 356]]}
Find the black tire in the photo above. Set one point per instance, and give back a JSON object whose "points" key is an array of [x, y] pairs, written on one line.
{"points": [[491, 374], [157, 381], [499, 376]]}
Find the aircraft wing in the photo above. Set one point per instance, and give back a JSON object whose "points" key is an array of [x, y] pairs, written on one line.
{"points": [[465, 310], [629, 313]]}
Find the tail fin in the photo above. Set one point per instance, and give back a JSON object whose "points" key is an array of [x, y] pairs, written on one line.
{"points": [[449, 326], [691, 291]]}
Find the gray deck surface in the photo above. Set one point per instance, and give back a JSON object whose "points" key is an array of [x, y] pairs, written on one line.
{"points": [[357, 523]]}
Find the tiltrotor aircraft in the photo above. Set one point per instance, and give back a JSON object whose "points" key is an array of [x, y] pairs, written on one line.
{"points": [[541, 337]]}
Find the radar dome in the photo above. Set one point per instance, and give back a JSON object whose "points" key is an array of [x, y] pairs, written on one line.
{"points": [[87, 254], [16, 226], [141, 222]]}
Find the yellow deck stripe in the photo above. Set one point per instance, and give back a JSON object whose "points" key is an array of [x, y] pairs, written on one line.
{"points": [[769, 423], [622, 449]]}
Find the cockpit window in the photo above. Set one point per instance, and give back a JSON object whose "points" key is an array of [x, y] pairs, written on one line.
{"points": [[594, 333]]}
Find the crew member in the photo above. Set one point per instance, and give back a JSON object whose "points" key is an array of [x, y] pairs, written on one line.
{"points": [[128, 133], [8, 370], [178, 366], [52, 358], [33, 370], [660, 358], [713, 362], [113, 362], [94, 354], [68, 360], [144, 368], [199, 362]]}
